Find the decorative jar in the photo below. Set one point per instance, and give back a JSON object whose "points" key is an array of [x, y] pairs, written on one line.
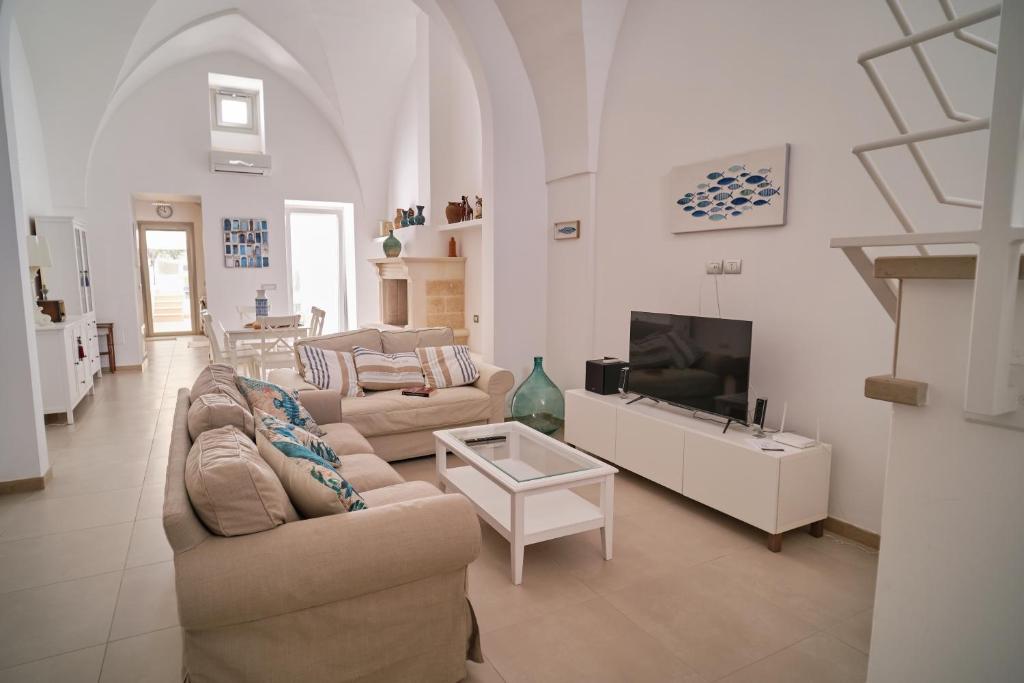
{"points": [[538, 403]]}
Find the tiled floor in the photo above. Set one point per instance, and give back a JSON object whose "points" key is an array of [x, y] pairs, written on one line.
{"points": [[87, 586]]}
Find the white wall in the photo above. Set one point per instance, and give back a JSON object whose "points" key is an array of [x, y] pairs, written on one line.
{"points": [[23, 190], [157, 143], [698, 81], [949, 604]]}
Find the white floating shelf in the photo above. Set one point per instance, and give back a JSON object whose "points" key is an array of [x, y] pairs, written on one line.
{"points": [[462, 225]]}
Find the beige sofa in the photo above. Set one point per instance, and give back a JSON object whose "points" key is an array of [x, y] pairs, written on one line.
{"points": [[401, 426], [373, 595]]}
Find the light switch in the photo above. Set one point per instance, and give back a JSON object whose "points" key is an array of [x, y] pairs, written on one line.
{"points": [[733, 266], [714, 267]]}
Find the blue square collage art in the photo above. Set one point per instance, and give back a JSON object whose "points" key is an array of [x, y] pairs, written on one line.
{"points": [[246, 243]]}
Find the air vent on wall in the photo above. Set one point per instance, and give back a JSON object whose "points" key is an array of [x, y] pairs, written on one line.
{"points": [[239, 163]]}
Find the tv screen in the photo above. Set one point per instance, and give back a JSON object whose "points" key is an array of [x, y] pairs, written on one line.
{"points": [[693, 362]]}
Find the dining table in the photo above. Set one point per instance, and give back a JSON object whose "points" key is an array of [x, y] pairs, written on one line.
{"points": [[280, 338]]}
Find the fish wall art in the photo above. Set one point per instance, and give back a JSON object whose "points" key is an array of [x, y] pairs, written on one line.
{"points": [[741, 191]]}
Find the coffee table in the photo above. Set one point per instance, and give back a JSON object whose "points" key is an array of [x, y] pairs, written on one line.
{"points": [[521, 482]]}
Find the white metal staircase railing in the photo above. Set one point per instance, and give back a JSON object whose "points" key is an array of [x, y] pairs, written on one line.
{"points": [[988, 392]]}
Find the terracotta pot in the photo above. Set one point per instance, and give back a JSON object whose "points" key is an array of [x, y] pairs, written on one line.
{"points": [[399, 215], [453, 212]]}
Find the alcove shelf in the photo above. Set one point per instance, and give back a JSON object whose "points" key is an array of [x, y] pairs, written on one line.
{"points": [[439, 227]]}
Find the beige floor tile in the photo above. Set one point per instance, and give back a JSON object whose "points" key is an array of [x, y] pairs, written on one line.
{"points": [[58, 557], [80, 666], [815, 586], [589, 641], [151, 504], [51, 620], [708, 620], [56, 515], [146, 602], [855, 631], [820, 658], [156, 473], [149, 543], [499, 603], [150, 658], [86, 456], [75, 479]]}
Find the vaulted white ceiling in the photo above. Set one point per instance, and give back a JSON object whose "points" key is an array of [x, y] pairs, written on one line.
{"points": [[350, 58]]}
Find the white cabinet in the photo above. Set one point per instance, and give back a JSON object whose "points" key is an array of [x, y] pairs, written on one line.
{"points": [[772, 490], [65, 369], [70, 277]]}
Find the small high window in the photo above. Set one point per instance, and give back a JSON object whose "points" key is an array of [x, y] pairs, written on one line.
{"points": [[235, 110]]}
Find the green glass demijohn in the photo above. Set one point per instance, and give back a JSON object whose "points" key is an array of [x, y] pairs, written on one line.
{"points": [[392, 247], [538, 403]]}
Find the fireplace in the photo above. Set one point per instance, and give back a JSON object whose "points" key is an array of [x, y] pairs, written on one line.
{"points": [[417, 291], [394, 302]]}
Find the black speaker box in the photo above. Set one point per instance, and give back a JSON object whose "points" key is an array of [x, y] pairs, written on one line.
{"points": [[603, 375]]}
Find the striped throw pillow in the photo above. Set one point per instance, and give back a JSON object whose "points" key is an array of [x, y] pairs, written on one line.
{"points": [[378, 371], [447, 366], [327, 369]]}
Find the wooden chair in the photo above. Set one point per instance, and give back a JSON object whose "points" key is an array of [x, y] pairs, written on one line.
{"points": [[277, 344], [316, 321]]}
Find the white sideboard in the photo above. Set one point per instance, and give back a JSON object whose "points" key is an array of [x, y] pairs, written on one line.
{"points": [[771, 490], [65, 375]]}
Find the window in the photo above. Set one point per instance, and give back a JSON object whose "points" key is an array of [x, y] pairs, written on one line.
{"points": [[235, 110]]}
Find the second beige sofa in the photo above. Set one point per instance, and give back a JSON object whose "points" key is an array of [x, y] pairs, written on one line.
{"points": [[400, 426]]}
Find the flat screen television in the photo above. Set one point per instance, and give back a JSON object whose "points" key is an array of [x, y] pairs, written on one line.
{"points": [[689, 361]]}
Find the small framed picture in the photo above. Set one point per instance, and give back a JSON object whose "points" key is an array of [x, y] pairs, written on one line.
{"points": [[266, 261], [234, 224], [229, 262], [567, 230], [227, 225]]}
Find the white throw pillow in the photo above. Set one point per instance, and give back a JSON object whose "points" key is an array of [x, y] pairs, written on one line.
{"points": [[381, 371]]}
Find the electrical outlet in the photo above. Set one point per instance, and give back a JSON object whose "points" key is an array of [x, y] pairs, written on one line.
{"points": [[714, 267], [476, 318], [733, 266]]}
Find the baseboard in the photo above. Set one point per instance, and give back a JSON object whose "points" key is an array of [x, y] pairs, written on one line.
{"points": [[129, 368], [26, 485], [853, 532]]}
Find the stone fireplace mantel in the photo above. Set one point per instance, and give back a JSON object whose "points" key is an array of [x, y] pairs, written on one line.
{"points": [[423, 291]]}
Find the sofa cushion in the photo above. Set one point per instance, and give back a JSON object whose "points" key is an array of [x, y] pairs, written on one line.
{"points": [[327, 369], [367, 472], [232, 489], [277, 401], [214, 410], [447, 366], [345, 439], [314, 489], [399, 493], [388, 412], [217, 378], [404, 341], [290, 432], [368, 338], [381, 371]]}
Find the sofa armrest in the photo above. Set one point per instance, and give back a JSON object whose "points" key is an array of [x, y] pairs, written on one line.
{"points": [[289, 379], [494, 380], [323, 404], [313, 562]]}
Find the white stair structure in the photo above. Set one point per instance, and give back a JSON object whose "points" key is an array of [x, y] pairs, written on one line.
{"points": [[989, 394]]}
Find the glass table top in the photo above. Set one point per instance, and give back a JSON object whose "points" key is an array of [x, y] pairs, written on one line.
{"points": [[521, 452]]}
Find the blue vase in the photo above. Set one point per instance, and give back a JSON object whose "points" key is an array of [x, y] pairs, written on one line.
{"points": [[538, 403], [392, 247], [419, 218]]}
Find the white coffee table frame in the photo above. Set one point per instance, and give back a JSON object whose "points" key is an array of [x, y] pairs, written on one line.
{"points": [[527, 512]]}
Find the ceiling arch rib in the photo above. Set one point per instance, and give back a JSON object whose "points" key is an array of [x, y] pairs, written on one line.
{"points": [[226, 31]]}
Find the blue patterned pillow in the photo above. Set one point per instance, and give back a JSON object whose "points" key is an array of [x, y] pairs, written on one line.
{"points": [[298, 435], [277, 402]]}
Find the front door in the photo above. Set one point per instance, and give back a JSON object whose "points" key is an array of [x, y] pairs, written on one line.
{"points": [[168, 279]]}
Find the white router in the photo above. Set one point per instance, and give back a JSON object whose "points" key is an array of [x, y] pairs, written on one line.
{"points": [[795, 440]]}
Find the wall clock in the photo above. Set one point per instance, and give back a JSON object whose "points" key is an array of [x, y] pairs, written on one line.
{"points": [[164, 210]]}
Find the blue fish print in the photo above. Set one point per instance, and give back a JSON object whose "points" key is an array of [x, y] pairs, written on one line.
{"points": [[735, 168], [755, 179], [760, 202], [714, 176], [726, 193], [722, 195], [567, 230]]}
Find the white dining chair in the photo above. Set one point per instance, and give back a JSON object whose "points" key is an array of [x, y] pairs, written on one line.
{"points": [[222, 351], [277, 341], [316, 321]]}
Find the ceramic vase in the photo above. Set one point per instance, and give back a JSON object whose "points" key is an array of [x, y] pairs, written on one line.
{"points": [[419, 218], [538, 403], [399, 215], [392, 247], [453, 212]]}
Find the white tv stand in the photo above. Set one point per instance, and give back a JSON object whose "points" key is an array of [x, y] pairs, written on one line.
{"points": [[773, 491]]}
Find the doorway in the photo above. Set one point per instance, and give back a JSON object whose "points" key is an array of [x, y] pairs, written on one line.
{"points": [[316, 274], [167, 255]]}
